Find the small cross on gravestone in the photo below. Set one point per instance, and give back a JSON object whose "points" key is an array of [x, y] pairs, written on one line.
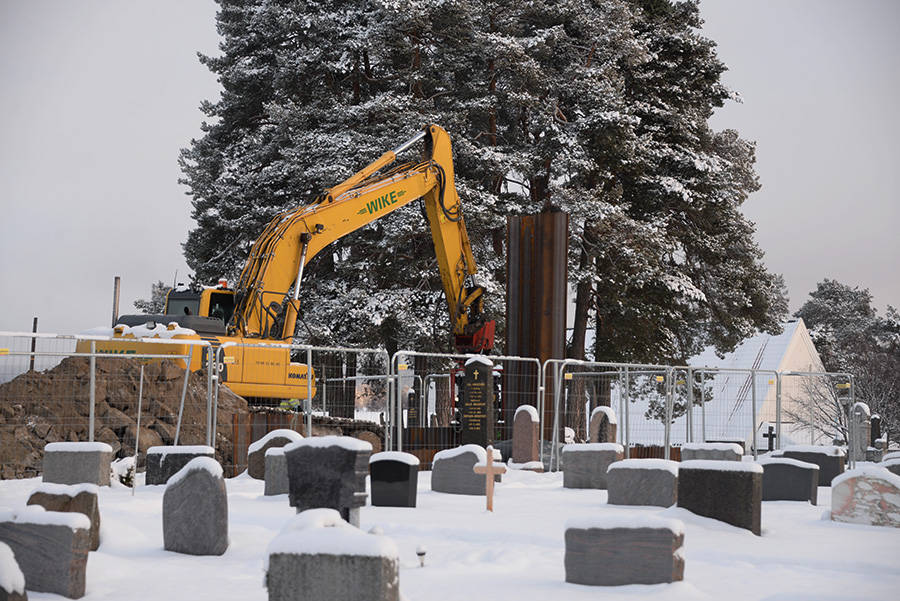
{"points": [[770, 435], [489, 470]]}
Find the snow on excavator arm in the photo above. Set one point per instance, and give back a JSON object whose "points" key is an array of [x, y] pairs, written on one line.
{"points": [[269, 289]]}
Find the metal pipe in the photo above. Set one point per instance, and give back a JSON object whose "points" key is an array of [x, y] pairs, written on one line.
{"points": [[409, 142], [187, 373], [93, 394], [137, 432], [304, 240], [753, 430], [115, 307]]}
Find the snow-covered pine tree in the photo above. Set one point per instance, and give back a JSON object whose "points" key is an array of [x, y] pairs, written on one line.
{"points": [[851, 337], [595, 107], [676, 264], [157, 301]]}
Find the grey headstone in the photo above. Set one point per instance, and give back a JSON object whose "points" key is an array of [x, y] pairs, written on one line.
{"points": [[165, 462], [830, 460], [891, 465], [53, 556], [328, 472], [256, 456], [195, 510], [77, 463], [12, 585], [604, 425], [586, 464], [727, 491], [303, 567], [277, 482], [648, 482], [789, 480], [715, 451], [452, 471], [603, 552], [526, 436], [71, 498]]}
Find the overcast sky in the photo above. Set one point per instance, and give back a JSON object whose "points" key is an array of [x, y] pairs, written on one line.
{"points": [[98, 96]]}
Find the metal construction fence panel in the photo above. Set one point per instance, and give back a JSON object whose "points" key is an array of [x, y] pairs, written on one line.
{"points": [[425, 399], [347, 394], [661, 408], [60, 389]]}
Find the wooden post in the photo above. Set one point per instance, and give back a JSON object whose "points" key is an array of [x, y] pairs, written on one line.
{"points": [[489, 470]]}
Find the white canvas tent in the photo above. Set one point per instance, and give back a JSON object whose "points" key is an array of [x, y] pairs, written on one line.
{"points": [[736, 403]]}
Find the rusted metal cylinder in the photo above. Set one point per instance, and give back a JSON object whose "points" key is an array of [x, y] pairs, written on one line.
{"points": [[537, 277]]}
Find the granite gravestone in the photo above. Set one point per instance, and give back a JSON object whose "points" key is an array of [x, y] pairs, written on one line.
{"points": [[256, 453], [830, 460], [652, 482], [394, 479], [452, 471], [164, 462], [12, 580], [603, 426], [77, 463], [328, 472], [320, 557], [789, 480], [476, 411], [715, 451], [586, 465], [195, 509], [866, 495], [727, 491], [526, 439], [615, 551], [50, 547], [277, 482], [860, 423], [81, 498]]}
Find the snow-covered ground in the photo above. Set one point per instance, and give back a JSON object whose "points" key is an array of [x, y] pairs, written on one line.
{"points": [[514, 553]]}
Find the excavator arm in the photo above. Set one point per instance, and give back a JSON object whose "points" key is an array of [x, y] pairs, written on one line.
{"points": [[269, 289]]}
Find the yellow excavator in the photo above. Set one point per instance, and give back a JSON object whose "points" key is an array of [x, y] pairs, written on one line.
{"points": [[260, 314]]}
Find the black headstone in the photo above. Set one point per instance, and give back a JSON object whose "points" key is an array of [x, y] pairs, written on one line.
{"points": [[477, 406], [394, 479], [876, 430]]}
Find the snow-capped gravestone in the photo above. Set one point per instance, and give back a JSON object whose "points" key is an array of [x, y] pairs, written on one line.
{"points": [[652, 482], [476, 412], [617, 550], [789, 480], [77, 463], [452, 471], [526, 440], [860, 424], [830, 460], [727, 491], [256, 454], [866, 495], [318, 556], [12, 580], [712, 451], [891, 465], [195, 509], [328, 472], [394, 479], [78, 498], [604, 426], [586, 464], [50, 547], [277, 482], [165, 462]]}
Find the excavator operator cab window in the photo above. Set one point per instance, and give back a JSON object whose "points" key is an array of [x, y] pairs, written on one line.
{"points": [[183, 304], [221, 305]]}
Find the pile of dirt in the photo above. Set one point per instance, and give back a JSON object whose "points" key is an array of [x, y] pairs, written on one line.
{"points": [[37, 408]]}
